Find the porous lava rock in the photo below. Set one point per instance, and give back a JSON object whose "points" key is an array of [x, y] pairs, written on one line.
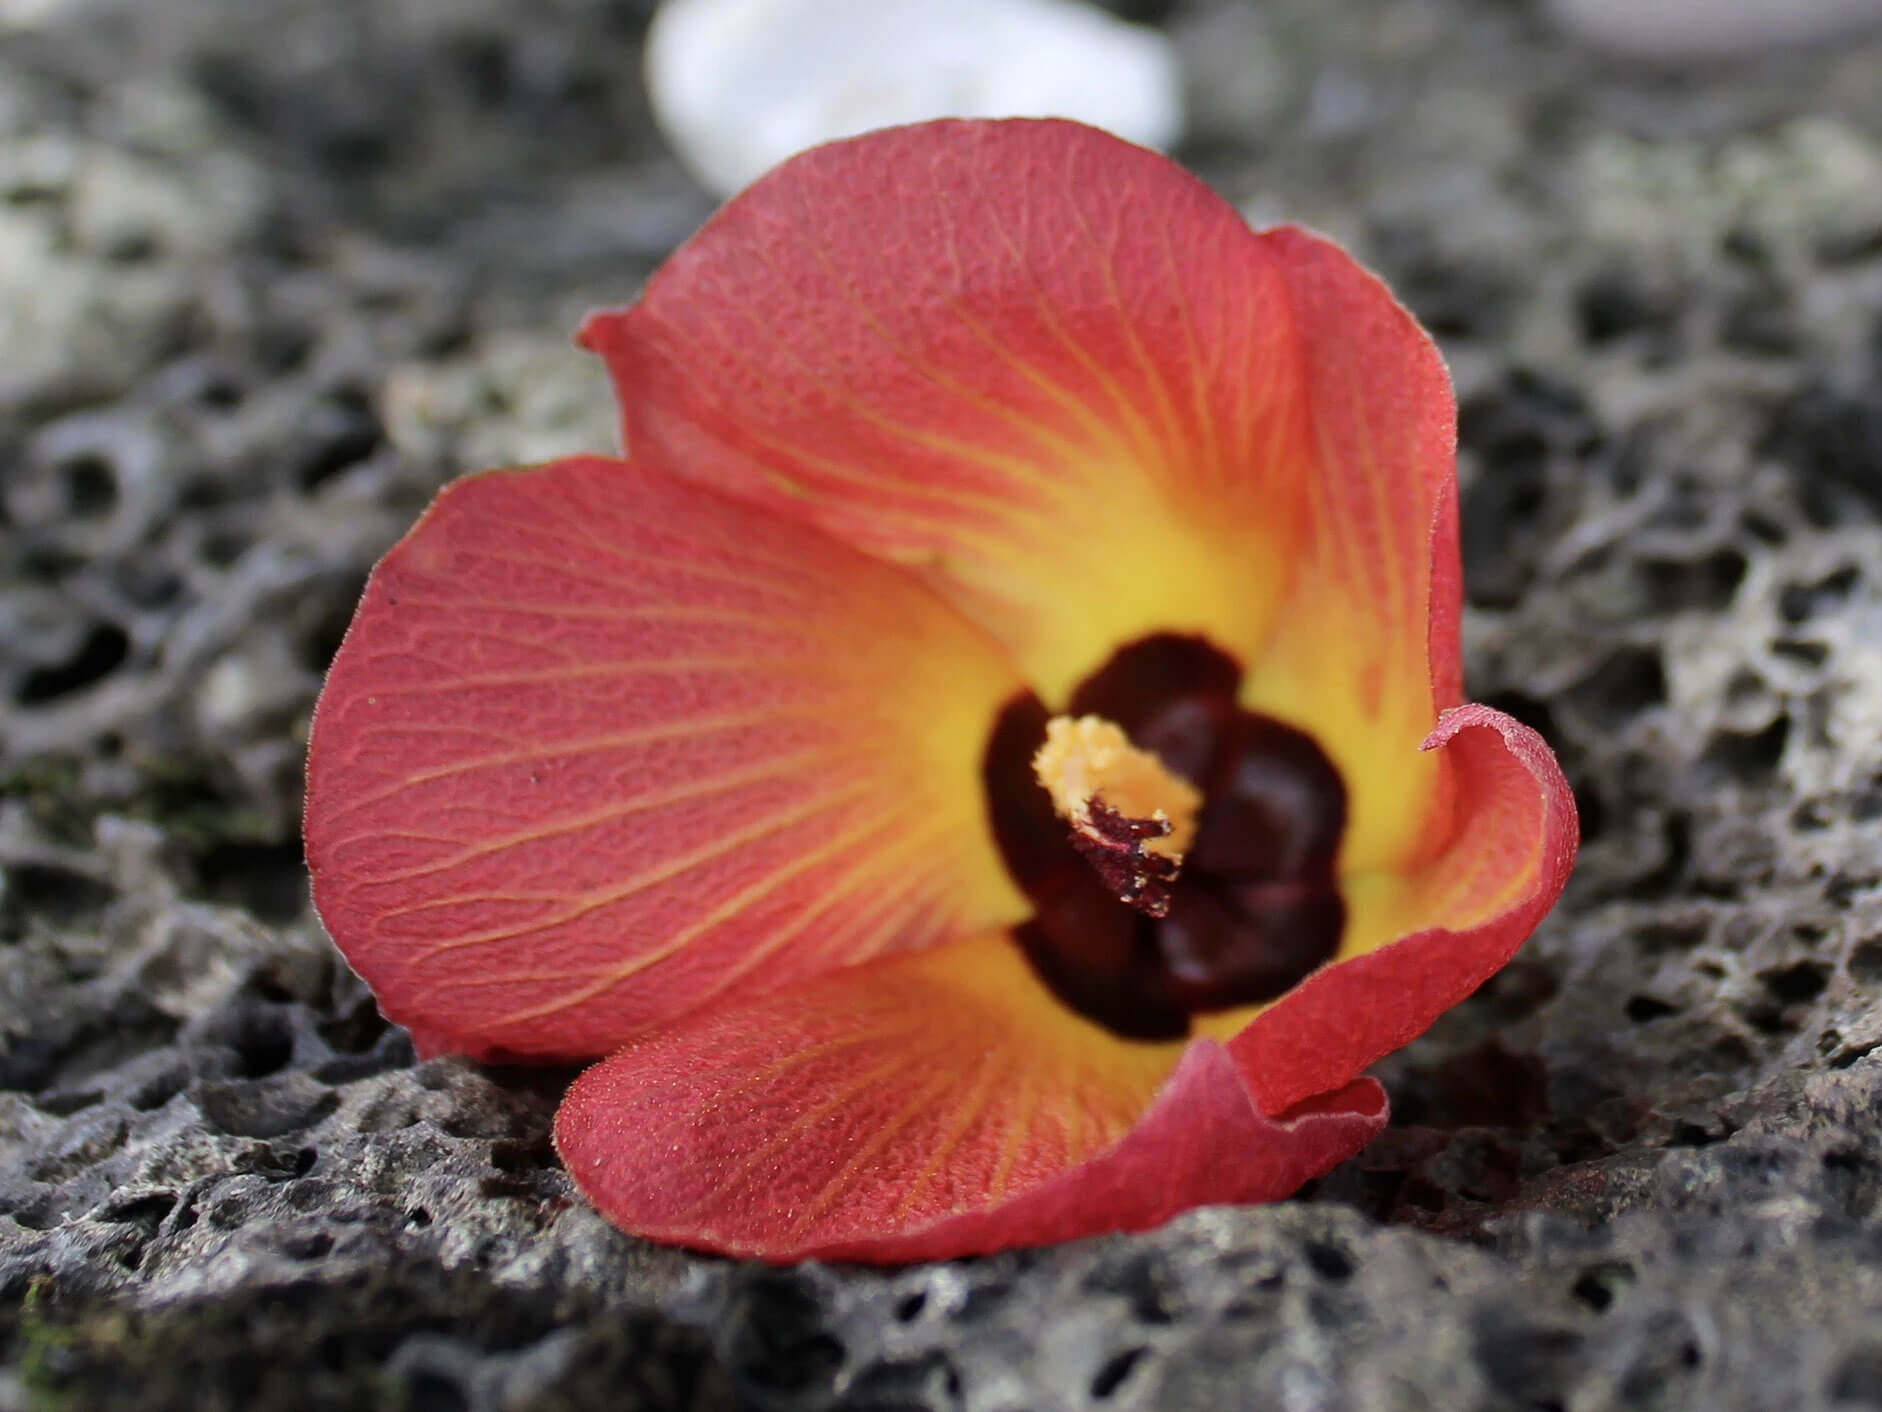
{"points": [[270, 273]]}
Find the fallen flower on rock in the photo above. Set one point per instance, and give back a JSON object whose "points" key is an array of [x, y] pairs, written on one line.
{"points": [[990, 766]]}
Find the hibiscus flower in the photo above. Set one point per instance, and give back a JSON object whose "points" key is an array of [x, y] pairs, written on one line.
{"points": [[989, 765]]}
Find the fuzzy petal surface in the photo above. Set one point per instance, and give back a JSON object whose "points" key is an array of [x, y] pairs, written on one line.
{"points": [[602, 746], [923, 1107], [1418, 943], [1052, 371]]}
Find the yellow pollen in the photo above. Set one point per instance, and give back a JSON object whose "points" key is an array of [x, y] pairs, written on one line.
{"points": [[1090, 760]]}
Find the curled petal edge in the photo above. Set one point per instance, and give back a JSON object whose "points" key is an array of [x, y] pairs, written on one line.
{"points": [[778, 1131], [1204, 1143], [1308, 1042]]}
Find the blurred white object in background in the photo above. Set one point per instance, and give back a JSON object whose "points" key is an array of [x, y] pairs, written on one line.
{"points": [[1673, 30], [739, 85]]}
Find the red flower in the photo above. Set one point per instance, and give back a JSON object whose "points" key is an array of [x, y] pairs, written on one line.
{"points": [[718, 760]]}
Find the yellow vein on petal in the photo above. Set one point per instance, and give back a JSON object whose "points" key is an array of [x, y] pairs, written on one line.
{"points": [[583, 612], [1094, 423], [1203, 375], [1001, 501], [785, 1136], [917, 892], [871, 861], [593, 671], [640, 882], [778, 1068], [770, 768], [1018, 1131], [679, 941], [1127, 409], [702, 727], [913, 1106], [793, 580], [1021, 468], [1153, 373], [1051, 439], [966, 1110]]}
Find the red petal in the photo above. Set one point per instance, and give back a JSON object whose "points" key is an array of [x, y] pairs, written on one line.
{"points": [[601, 746], [1377, 568], [1447, 928], [1052, 368], [924, 1107]]}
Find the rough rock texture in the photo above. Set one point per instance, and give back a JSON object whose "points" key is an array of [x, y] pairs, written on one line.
{"points": [[271, 272]]}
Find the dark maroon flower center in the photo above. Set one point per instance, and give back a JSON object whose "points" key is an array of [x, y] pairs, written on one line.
{"points": [[1255, 907]]}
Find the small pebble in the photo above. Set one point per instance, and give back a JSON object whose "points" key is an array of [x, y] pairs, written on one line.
{"points": [[739, 85]]}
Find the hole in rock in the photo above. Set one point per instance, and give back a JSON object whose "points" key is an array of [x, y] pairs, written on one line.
{"points": [[158, 1090], [1865, 960], [263, 1044], [63, 1103], [1747, 758], [1795, 649], [429, 1391], [1145, 1282], [344, 431], [1669, 1352], [1532, 1364], [103, 651], [1852, 1179], [1643, 1009], [269, 879], [313, 1245], [1758, 321], [1763, 528], [147, 1211], [265, 1108], [357, 1030], [91, 486], [1614, 303], [1599, 1284], [1624, 684], [57, 894], [1854, 1053], [145, 583], [1329, 1261], [929, 1381], [1796, 984], [1707, 584], [1673, 934], [778, 1342], [1857, 1379], [1828, 440], [1117, 1368], [1800, 602]]}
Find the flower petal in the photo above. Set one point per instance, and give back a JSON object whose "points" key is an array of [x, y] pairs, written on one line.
{"points": [[1052, 369], [1377, 561], [924, 1107], [601, 746], [1417, 944]]}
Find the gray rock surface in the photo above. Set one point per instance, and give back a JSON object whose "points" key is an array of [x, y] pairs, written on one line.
{"points": [[271, 272]]}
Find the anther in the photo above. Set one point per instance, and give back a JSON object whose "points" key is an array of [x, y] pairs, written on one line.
{"points": [[1131, 816]]}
